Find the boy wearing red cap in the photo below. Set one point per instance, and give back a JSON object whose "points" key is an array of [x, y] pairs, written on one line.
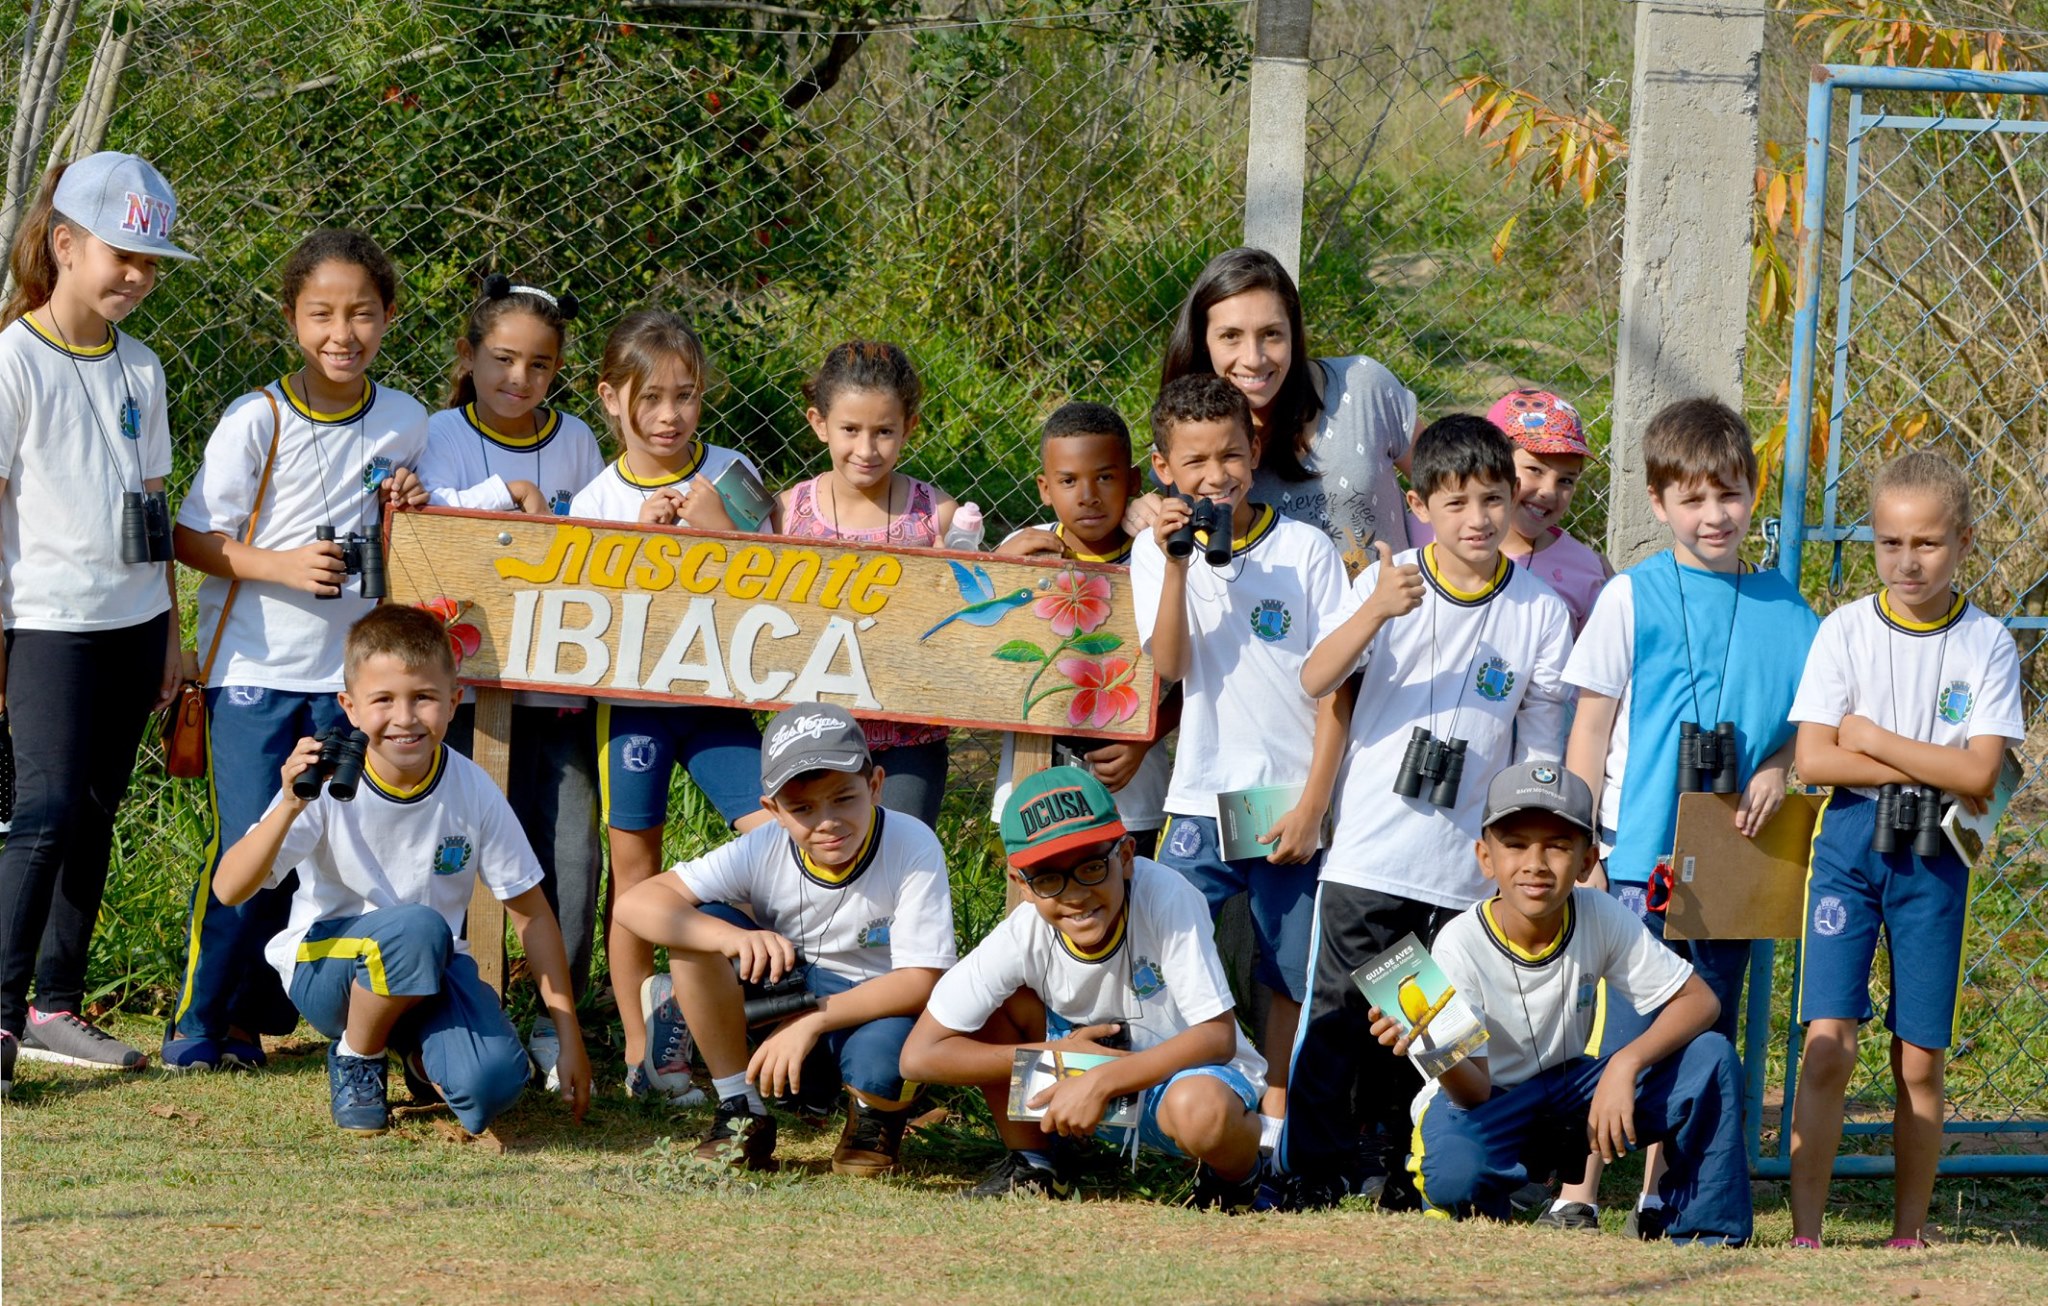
{"points": [[1110, 953], [1550, 456]]}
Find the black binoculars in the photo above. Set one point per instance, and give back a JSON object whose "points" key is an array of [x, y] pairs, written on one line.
{"points": [[361, 555], [1908, 808], [145, 527], [1706, 758], [1439, 761], [1209, 519], [788, 996], [340, 766]]}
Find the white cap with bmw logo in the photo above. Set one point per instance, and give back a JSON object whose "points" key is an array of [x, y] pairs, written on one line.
{"points": [[1541, 786], [122, 200]]}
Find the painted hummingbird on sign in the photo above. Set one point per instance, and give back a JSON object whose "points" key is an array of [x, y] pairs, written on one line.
{"points": [[983, 608]]}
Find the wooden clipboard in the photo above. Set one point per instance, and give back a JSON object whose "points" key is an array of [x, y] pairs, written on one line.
{"points": [[1724, 886]]}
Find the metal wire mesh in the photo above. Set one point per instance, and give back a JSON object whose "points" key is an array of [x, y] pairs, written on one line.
{"points": [[1935, 278]]}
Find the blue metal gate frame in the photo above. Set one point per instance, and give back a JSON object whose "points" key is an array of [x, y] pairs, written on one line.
{"points": [[1796, 531]]}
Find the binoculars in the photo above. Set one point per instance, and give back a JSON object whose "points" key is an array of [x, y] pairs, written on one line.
{"points": [[340, 766], [1439, 761], [361, 555], [145, 527], [1908, 809], [788, 996], [1209, 518], [1706, 758]]}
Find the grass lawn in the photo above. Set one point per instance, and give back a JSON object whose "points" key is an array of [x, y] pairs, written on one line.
{"points": [[237, 1188]]}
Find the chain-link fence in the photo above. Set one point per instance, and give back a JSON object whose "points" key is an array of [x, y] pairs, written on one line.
{"points": [[1924, 312]]}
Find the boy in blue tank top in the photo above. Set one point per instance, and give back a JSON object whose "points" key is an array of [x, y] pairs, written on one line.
{"points": [[1689, 637]]}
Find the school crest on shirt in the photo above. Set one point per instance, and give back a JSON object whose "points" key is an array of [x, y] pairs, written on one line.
{"points": [[1589, 993], [1271, 621], [874, 934], [1146, 979], [1495, 679], [375, 473], [1954, 704], [559, 505], [452, 855]]}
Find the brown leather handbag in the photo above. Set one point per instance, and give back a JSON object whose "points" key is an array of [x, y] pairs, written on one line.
{"points": [[185, 751]]}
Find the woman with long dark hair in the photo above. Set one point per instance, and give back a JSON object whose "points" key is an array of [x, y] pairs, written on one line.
{"points": [[1331, 431]]}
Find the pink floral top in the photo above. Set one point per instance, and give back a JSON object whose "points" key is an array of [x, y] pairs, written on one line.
{"points": [[916, 527]]}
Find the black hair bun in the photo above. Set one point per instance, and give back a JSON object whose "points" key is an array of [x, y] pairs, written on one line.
{"points": [[566, 303], [497, 286]]}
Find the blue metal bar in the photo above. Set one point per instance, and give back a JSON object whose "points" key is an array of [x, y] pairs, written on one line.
{"points": [[1756, 1044], [1849, 77], [1838, 398], [1882, 1167], [1956, 1127], [1905, 122], [1820, 106]]}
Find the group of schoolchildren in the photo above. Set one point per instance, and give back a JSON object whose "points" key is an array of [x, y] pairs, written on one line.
{"points": [[1485, 728]]}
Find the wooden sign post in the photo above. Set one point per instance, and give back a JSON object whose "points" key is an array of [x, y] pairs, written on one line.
{"points": [[658, 614]]}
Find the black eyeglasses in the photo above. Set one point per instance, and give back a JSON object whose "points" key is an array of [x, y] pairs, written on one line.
{"points": [[1051, 884]]}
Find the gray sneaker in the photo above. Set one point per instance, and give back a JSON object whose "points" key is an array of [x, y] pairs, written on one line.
{"points": [[544, 1045], [69, 1039], [669, 1044], [1570, 1215]]}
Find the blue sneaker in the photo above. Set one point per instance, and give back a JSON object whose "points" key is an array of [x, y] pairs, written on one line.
{"points": [[195, 1053], [669, 1045], [355, 1090]]}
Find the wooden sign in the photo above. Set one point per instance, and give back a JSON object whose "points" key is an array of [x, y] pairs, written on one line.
{"points": [[655, 613], [1724, 886]]}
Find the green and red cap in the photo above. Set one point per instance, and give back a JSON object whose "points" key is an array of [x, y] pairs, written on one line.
{"points": [[1056, 811]]}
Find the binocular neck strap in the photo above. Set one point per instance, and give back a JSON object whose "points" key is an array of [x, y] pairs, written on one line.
{"points": [[1692, 683]]}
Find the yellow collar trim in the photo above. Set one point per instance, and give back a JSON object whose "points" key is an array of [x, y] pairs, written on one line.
{"points": [[543, 429], [835, 876], [100, 350], [656, 482], [1262, 525], [311, 414], [398, 793], [1115, 940], [1501, 571], [1539, 955], [1122, 555], [1891, 614]]}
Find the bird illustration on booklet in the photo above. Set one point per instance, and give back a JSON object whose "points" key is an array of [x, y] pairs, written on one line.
{"points": [[1404, 982], [1037, 1070]]}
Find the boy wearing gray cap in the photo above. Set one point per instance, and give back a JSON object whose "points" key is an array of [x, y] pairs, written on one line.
{"points": [[1530, 961], [849, 914]]}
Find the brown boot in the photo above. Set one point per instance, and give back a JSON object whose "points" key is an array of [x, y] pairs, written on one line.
{"points": [[755, 1135], [869, 1144]]}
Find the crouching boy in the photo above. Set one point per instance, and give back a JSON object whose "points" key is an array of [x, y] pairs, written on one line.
{"points": [[1529, 961], [1110, 954], [848, 898], [373, 955]]}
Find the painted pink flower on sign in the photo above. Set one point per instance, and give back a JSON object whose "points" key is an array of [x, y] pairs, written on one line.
{"points": [[1074, 603], [1104, 693]]}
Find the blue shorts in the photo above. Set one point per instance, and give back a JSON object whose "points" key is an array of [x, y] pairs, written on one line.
{"points": [[642, 745], [866, 1057], [1149, 1133], [1282, 898], [1721, 964], [467, 1046], [1922, 903]]}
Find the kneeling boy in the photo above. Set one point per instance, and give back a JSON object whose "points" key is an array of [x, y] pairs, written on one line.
{"points": [[852, 898], [1529, 961], [1110, 949], [373, 955]]}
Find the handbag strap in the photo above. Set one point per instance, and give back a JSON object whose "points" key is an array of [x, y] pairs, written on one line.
{"points": [[248, 534]]}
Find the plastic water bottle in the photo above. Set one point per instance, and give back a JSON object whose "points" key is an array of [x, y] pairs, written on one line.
{"points": [[965, 533]]}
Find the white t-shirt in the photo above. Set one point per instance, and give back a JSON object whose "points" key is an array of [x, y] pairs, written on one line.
{"points": [[1541, 1009], [1245, 721], [1487, 668], [616, 494], [70, 447], [1944, 682], [330, 471], [892, 909], [384, 850], [468, 465], [1603, 660], [1160, 976], [1351, 495]]}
